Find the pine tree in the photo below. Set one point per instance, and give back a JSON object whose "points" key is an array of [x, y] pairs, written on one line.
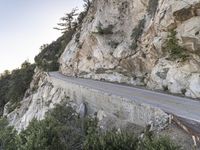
{"points": [[68, 21]]}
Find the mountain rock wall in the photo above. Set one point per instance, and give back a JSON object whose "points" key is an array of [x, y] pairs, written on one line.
{"points": [[125, 41]]}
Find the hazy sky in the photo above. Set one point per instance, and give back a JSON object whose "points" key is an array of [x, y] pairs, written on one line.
{"points": [[27, 24]]}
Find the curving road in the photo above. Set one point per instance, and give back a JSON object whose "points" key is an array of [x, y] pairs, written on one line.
{"points": [[185, 108]]}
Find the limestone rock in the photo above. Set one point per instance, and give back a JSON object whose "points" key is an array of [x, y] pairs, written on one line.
{"points": [[189, 32], [177, 78], [132, 50]]}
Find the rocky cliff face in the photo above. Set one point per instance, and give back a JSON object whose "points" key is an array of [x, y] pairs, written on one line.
{"points": [[125, 41]]}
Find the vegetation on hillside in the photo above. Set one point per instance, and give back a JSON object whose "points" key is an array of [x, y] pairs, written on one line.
{"points": [[115, 140], [8, 136], [13, 85], [63, 129], [47, 59]]}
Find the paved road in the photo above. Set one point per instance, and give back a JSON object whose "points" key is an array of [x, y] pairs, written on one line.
{"points": [[179, 106]]}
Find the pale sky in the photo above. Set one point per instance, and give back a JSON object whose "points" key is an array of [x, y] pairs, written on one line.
{"points": [[27, 24]]}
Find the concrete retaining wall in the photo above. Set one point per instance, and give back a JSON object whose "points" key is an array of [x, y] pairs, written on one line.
{"points": [[124, 109]]}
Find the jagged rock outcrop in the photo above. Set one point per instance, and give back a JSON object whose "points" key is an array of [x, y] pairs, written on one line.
{"points": [[125, 40], [34, 104]]}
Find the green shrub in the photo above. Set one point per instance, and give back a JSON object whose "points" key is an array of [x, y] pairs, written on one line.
{"points": [[63, 129], [52, 135], [113, 140], [104, 30], [8, 136], [136, 33], [14, 85], [110, 140], [47, 59], [175, 50], [157, 143]]}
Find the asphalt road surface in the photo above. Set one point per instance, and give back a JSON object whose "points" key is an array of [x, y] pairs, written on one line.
{"points": [[182, 107]]}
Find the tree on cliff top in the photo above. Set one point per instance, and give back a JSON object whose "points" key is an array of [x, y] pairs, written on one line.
{"points": [[87, 4], [69, 22], [72, 20]]}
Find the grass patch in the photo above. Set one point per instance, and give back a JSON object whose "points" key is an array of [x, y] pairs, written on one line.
{"points": [[175, 50]]}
